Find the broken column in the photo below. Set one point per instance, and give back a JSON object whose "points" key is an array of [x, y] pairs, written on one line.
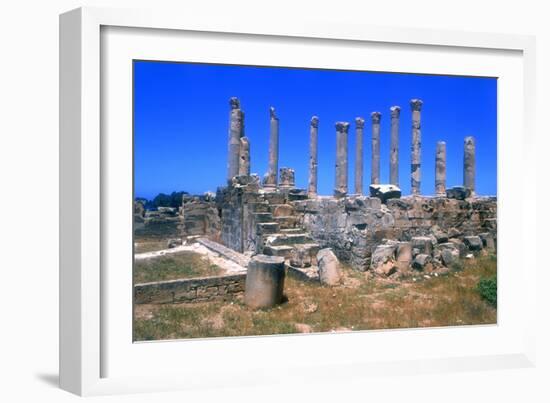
{"points": [[270, 179], [375, 160], [440, 168], [469, 165], [244, 156], [313, 138], [235, 133], [394, 145], [286, 178], [341, 185], [264, 281], [359, 126], [416, 106]]}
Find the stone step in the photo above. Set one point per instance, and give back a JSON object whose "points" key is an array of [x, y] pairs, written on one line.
{"points": [[265, 228], [279, 250], [286, 221], [263, 217], [287, 239], [259, 207], [274, 197], [282, 210], [291, 230]]}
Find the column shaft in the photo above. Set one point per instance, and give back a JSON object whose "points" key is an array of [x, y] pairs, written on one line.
{"points": [[341, 185], [440, 168], [394, 145], [416, 106], [271, 177], [359, 128], [234, 141], [375, 158], [470, 164], [313, 140]]}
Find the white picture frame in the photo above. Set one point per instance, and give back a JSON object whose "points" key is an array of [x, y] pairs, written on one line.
{"points": [[85, 307]]}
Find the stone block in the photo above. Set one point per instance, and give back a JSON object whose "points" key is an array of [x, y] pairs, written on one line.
{"points": [[264, 281], [330, 272], [385, 192]]}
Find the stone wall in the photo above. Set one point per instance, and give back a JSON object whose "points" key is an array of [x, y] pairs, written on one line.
{"points": [[199, 216], [354, 226], [190, 290]]}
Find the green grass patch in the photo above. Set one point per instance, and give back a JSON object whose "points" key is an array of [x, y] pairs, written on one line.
{"points": [[487, 288]]}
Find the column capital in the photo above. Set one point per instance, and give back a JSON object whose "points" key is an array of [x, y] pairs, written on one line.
{"points": [[416, 104], [234, 103], [469, 140], [342, 126], [375, 116], [359, 122], [314, 121], [395, 111]]}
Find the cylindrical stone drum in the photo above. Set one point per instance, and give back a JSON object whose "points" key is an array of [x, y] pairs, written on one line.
{"points": [[265, 279]]}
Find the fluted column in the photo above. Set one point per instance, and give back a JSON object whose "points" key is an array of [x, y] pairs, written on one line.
{"points": [[416, 106], [375, 142], [395, 111], [359, 127], [341, 185], [440, 168], [313, 140], [235, 134], [470, 164], [271, 176]]}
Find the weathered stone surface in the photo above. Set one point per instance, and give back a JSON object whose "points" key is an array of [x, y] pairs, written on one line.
{"points": [[236, 129], [270, 178], [450, 254], [383, 259], [440, 235], [394, 145], [440, 168], [421, 261], [330, 272], [199, 216], [244, 157], [264, 281], [341, 174], [375, 148], [458, 192], [385, 192], [404, 252], [416, 106], [359, 129], [313, 153], [423, 244], [286, 178], [473, 243], [463, 250], [300, 256], [469, 164], [488, 241]]}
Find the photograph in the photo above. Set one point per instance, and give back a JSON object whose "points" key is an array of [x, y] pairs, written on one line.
{"points": [[272, 200]]}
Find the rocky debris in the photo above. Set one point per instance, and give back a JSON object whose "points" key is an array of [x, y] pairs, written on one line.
{"points": [[458, 192], [174, 242], [449, 253], [330, 272], [454, 233], [488, 241], [383, 259], [460, 245], [440, 235], [421, 261], [385, 192], [473, 243], [423, 244], [300, 256]]}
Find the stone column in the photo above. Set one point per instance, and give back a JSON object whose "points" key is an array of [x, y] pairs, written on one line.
{"points": [[244, 157], [341, 187], [359, 126], [235, 134], [313, 140], [264, 281], [470, 164], [394, 145], [375, 158], [271, 176], [416, 106], [440, 169]]}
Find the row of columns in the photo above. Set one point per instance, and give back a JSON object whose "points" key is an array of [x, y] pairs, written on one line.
{"points": [[239, 152]]}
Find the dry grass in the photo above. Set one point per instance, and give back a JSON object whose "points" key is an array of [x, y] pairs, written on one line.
{"points": [[174, 266], [361, 303]]}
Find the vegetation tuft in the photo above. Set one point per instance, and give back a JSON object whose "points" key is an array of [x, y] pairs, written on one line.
{"points": [[487, 288]]}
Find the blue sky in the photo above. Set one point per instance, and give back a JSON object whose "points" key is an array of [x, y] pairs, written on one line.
{"points": [[181, 122]]}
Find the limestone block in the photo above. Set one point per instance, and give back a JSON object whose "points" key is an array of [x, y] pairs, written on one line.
{"points": [[264, 281], [421, 261], [330, 272], [423, 244], [385, 192], [473, 243], [488, 241]]}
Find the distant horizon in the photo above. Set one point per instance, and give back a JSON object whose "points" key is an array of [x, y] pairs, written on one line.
{"points": [[181, 118]]}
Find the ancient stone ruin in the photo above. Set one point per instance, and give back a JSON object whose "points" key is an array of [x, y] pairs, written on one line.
{"points": [[384, 233]]}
